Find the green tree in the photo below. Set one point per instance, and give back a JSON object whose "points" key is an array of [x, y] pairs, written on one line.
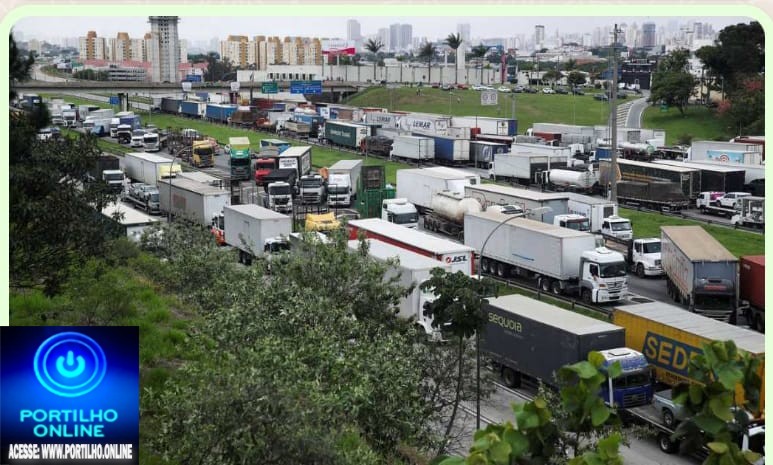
{"points": [[570, 64], [374, 46], [454, 41], [19, 66], [457, 310], [575, 79], [738, 52], [217, 69], [539, 437], [672, 83], [427, 52], [716, 415], [551, 76]]}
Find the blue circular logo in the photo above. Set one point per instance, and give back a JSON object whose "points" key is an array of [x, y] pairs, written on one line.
{"points": [[70, 364]]}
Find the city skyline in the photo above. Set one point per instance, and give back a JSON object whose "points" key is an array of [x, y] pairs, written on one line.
{"points": [[199, 29]]}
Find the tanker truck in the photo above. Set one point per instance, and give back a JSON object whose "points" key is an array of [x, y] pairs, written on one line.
{"points": [[447, 213], [580, 179]]}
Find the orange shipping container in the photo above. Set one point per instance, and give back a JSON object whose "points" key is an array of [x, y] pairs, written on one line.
{"points": [[669, 336]]}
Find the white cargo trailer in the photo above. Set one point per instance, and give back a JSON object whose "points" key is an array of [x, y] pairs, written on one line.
{"points": [[343, 179], [420, 184], [149, 168], [413, 148], [561, 260], [132, 223], [413, 269], [202, 177], [459, 256], [593, 208], [487, 124], [193, 200], [539, 149], [425, 124], [524, 168], [248, 227], [731, 153], [494, 194]]}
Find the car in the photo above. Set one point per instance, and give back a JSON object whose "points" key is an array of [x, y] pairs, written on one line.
{"points": [[504, 89], [435, 85], [548, 90], [445, 87], [577, 91], [731, 198], [462, 86], [530, 90], [49, 133], [518, 89], [478, 87], [602, 97], [561, 90]]}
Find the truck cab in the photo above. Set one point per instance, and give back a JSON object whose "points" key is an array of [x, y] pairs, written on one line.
{"points": [[280, 197], [572, 221], [634, 387], [603, 276], [263, 166], [114, 179], [124, 134], [203, 154], [151, 141], [339, 190], [400, 211], [312, 189], [708, 199], [645, 257], [217, 228], [138, 138], [146, 197], [617, 227], [751, 212]]}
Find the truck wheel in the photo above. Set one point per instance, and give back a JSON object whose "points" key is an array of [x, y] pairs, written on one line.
{"points": [[544, 283], [640, 270], [586, 296], [511, 378], [484, 265], [666, 444], [501, 270], [668, 418], [555, 287]]}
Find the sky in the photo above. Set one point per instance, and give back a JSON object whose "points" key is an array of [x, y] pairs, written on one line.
{"points": [[205, 28]]}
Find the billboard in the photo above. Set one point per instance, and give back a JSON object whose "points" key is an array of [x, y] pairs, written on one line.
{"points": [[338, 47], [725, 156]]}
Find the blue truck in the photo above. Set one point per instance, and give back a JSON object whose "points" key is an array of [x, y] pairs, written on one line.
{"points": [[190, 108], [314, 121], [219, 112], [450, 150]]}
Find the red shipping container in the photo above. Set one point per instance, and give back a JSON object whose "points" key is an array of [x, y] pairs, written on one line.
{"points": [[752, 279], [548, 136], [474, 132]]}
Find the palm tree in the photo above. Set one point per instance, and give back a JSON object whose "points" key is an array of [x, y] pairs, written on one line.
{"points": [[454, 41], [478, 52], [373, 46], [427, 51]]}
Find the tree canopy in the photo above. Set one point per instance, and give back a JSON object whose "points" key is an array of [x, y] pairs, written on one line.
{"points": [[672, 83]]}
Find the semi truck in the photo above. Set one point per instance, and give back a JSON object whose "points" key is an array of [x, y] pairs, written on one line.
{"points": [[688, 179], [240, 158], [346, 134], [482, 153], [376, 145], [643, 255], [311, 189], [252, 229], [459, 256], [297, 158], [414, 148], [487, 124], [108, 170], [414, 269], [700, 272], [730, 153], [342, 180], [521, 338], [294, 128], [195, 201], [579, 179], [418, 185], [751, 279], [596, 209], [149, 168], [560, 260], [400, 211], [523, 168], [449, 150], [656, 195], [447, 211], [549, 204]]}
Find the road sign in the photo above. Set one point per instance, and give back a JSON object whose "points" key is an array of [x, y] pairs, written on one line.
{"points": [[186, 86], [193, 77], [235, 86], [269, 88], [305, 87], [488, 97], [114, 100]]}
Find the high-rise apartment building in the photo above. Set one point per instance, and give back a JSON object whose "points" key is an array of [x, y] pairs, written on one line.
{"points": [[165, 48], [539, 36], [235, 50], [649, 35], [406, 37], [383, 36], [353, 32], [92, 47], [394, 38]]}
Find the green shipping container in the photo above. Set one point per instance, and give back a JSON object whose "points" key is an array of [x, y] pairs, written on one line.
{"points": [[345, 134], [369, 202]]}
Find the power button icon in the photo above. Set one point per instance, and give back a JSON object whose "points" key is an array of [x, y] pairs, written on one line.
{"points": [[70, 364]]}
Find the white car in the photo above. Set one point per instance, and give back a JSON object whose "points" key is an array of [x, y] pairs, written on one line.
{"points": [[548, 90], [504, 89], [477, 87], [731, 198]]}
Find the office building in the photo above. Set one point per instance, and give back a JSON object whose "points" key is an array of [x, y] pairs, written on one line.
{"points": [[649, 35], [165, 48]]}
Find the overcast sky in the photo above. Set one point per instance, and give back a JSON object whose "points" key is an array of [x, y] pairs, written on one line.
{"points": [[201, 28]]}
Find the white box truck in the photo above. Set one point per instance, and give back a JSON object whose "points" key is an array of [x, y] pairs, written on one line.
{"points": [[420, 184], [193, 200], [561, 260], [249, 228], [413, 148], [414, 269], [731, 153], [550, 203], [342, 180], [524, 168], [148, 168], [539, 149], [593, 208]]}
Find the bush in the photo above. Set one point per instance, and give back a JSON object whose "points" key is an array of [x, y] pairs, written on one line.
{"points": [[686, 139]]}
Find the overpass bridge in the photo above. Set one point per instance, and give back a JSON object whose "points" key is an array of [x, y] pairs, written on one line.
{"points": [[328, 87]]}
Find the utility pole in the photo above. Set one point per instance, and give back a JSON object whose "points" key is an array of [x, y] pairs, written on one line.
{"points": [[613, 109]]}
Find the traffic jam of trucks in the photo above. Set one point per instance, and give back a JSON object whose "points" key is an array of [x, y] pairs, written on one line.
{"points": [[542, 220]]}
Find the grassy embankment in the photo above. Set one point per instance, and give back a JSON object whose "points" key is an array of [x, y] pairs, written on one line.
{"points": [[698, 121]]}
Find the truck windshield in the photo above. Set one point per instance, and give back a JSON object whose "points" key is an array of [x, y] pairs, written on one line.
{"points": [[114, 177], [265, 163], [240, 162], [279, 190], [623, 226], [713, 302], [652, 247], [311, 183], [579, 225], [204, 151], [276, 247], [338, 189], [638, 378], [406, 218], [154, 197], [612, 270]]}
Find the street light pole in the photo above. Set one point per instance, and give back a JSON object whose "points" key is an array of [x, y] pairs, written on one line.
{"points": [[171, 176], [613, 110]]}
